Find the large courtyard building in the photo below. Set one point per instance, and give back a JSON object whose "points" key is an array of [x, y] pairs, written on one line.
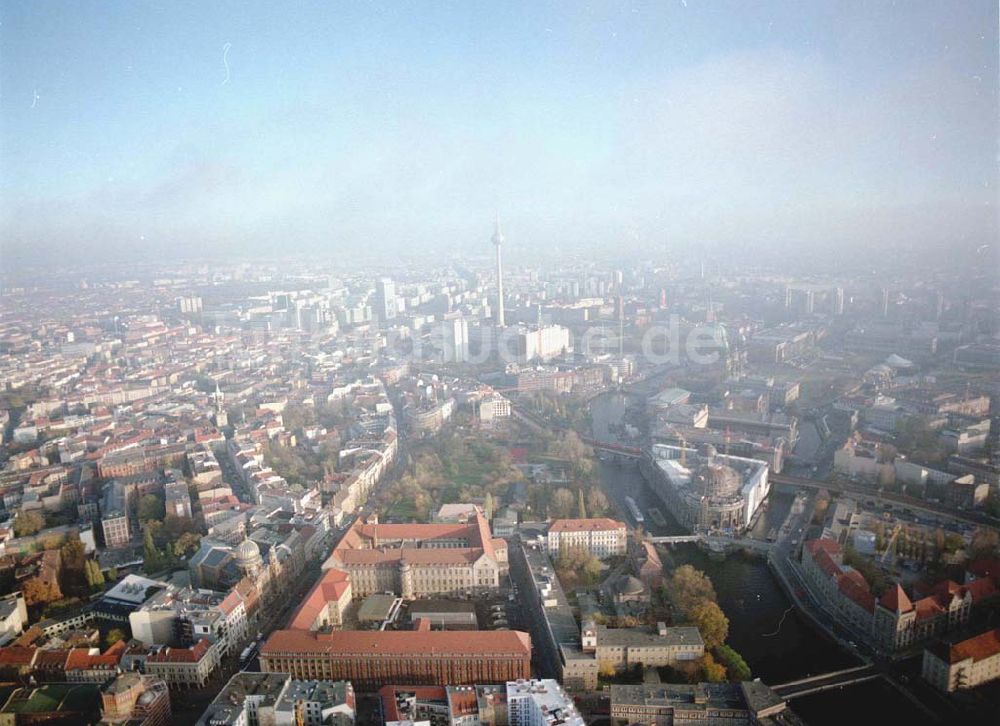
{"points": [[414, 560], [707, 491], [893, 621]]}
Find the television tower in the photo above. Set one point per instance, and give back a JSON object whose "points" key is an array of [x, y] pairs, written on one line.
{"points": [[498, 243]]}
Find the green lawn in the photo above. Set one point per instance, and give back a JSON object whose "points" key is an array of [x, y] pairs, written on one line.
{"points": [[82, 697]]}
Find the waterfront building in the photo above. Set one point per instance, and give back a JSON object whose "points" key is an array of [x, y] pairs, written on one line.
{"points": [[966, 664], [706, 490], [893, 621], [732, 704], [627, 647]]}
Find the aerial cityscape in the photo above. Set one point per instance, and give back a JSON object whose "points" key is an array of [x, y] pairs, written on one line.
{"points": [[542, 364]]}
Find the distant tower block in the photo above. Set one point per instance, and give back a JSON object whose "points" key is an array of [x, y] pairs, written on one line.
{"points": [[498, 243], [885, 302]]}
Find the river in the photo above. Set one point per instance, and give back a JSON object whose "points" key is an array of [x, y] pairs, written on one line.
{"points": [[777, 642]]}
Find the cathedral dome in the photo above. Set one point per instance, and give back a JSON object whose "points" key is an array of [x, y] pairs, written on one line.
{"points": [[248, 554], [718, 480]]}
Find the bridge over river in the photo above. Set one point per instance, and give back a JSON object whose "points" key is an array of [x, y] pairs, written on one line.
{"points": [[827, 681]]}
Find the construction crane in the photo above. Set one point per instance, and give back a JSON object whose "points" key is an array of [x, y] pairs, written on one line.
{"points": [[891, 543]]}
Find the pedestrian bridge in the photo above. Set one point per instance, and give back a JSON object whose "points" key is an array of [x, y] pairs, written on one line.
{"points": [[679, 539], [718, 544], [826, 681]]}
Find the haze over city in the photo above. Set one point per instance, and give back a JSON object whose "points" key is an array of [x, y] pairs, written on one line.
{"points": [[133, 130], [499, 364]]}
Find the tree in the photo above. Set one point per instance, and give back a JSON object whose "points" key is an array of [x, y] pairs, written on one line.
{"points": [[38, 591], [112, 574], [581, 507], [488, 506], [151, 507], [577, 565], [152, 559], [95, 578], [188, 543], [711, 622], [114, 635], [597, 503], [74, 563], [28, 523], [562, 502], [984, 543], [606, 669], [712, 672], [737, 667], [690, 587]]}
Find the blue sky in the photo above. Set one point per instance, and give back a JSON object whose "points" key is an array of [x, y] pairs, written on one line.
{"points": [[396, 126]]}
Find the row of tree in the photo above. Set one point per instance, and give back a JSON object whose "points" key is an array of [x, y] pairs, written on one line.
{"points": [[694, 597], [564, 504]]}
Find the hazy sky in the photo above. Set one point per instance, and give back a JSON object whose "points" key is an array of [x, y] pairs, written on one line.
{"points": [[403, 126]]}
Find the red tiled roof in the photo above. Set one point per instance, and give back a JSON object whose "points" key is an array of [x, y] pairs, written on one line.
{"points": [[985, 567], [17, 656], [826, 563], [181, 655], [896, 600], [51, 658], [230, 602], [853, 585], [330, 588], [978, 648], [598, 524], [362, 542], [928, 607], [387, 694], [825, 545], [981, 589], [399, 642]]}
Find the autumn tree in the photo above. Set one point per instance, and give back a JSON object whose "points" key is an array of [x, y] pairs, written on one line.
{"points": [[984, 543], [737, 667], [711, 671], [581, 507], [74, 575], [597, 502], [187, 544], [28, 523], [562, 502], [95, 578], [38, 591], [488, 506], [576, 565], [689, 587], [151, 555], [711, 622], [114, 635]]}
